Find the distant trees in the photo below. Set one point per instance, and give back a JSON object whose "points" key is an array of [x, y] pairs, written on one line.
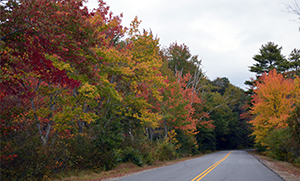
{"points": [[219, 124], [225, 102]]}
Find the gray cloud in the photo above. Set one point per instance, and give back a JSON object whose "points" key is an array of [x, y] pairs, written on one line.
{"points": [[226, 34]]}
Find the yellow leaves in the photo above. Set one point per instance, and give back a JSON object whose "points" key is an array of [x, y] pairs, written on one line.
{"points": [[70, 116], [96, 19], [133, 31], [115, 61], [60, 64], [273, 97], [88, 90], [134, 86], [172, 138], [296, 90], [157, 95], [87, 117], [148, 118], [273, 102]]}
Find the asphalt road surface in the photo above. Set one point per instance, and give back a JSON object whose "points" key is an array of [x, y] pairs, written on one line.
{"points": [[224, 165]]}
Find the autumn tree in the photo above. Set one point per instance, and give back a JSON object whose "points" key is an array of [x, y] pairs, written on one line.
{"points": [[180, 105], [180, 60], [183, 98], [273, 101], [26, 64], [269, 58], [132, 68], [49, 73]]}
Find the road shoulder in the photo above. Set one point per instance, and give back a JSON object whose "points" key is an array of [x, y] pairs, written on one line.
{"points": [[285, 170]]}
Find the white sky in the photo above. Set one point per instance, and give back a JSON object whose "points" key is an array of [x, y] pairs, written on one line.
{"points": [[226, 34]]}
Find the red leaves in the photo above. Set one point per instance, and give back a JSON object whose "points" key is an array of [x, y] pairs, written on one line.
{"points": [[179, 102], [7, 154]]}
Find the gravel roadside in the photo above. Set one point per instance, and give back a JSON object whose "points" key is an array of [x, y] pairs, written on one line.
{"points": [[285, 170]]}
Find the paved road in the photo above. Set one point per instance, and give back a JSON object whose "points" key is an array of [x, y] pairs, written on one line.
{"points": [[224, 165]]}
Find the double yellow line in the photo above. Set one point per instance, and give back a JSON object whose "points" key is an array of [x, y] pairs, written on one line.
{"points": [[205, 172]]}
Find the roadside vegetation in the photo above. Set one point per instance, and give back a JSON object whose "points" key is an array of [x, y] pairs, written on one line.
{"points": [[80, 92], [274, 103]]}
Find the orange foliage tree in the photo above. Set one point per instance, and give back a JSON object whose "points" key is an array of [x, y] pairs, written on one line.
{"points": [[274, 100]]}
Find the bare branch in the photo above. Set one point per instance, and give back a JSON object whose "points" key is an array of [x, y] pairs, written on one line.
{"points": [[15, 31], [294, 7]]}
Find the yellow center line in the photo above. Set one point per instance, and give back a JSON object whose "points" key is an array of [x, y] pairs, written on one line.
{"points": [[205, 172]]}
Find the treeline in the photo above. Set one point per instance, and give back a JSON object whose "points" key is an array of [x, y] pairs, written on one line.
{"points": [[274, 106], [79, 91]]}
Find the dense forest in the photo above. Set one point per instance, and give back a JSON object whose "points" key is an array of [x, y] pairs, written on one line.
{"points": [[80, 91]]}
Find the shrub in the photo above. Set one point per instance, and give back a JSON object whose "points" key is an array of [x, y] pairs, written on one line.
{"points": [[166, 151], [131, 155], [259, 147], [188, 144], [148, 150], [278, 143]]}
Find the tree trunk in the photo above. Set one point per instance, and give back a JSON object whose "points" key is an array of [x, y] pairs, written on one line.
{"points": [[166, 128]]}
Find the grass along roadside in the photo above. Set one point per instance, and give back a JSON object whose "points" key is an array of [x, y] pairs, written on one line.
{"points": [[285, 170], [119, 171]]}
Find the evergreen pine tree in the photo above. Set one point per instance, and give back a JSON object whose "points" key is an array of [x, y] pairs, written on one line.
{"points": [[269, 58], [295, 61]]}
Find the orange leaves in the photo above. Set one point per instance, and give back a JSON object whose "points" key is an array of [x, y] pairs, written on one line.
{"points": [[274, 100]]}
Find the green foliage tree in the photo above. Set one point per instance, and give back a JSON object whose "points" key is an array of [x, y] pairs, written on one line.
{"points": [[294, 123], [224, 104], [231, 131], [269, 58], [180, 59], [182, 98], [294, 59]]}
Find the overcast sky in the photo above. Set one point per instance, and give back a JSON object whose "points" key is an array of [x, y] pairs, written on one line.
{"points": [[226, 34]]}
